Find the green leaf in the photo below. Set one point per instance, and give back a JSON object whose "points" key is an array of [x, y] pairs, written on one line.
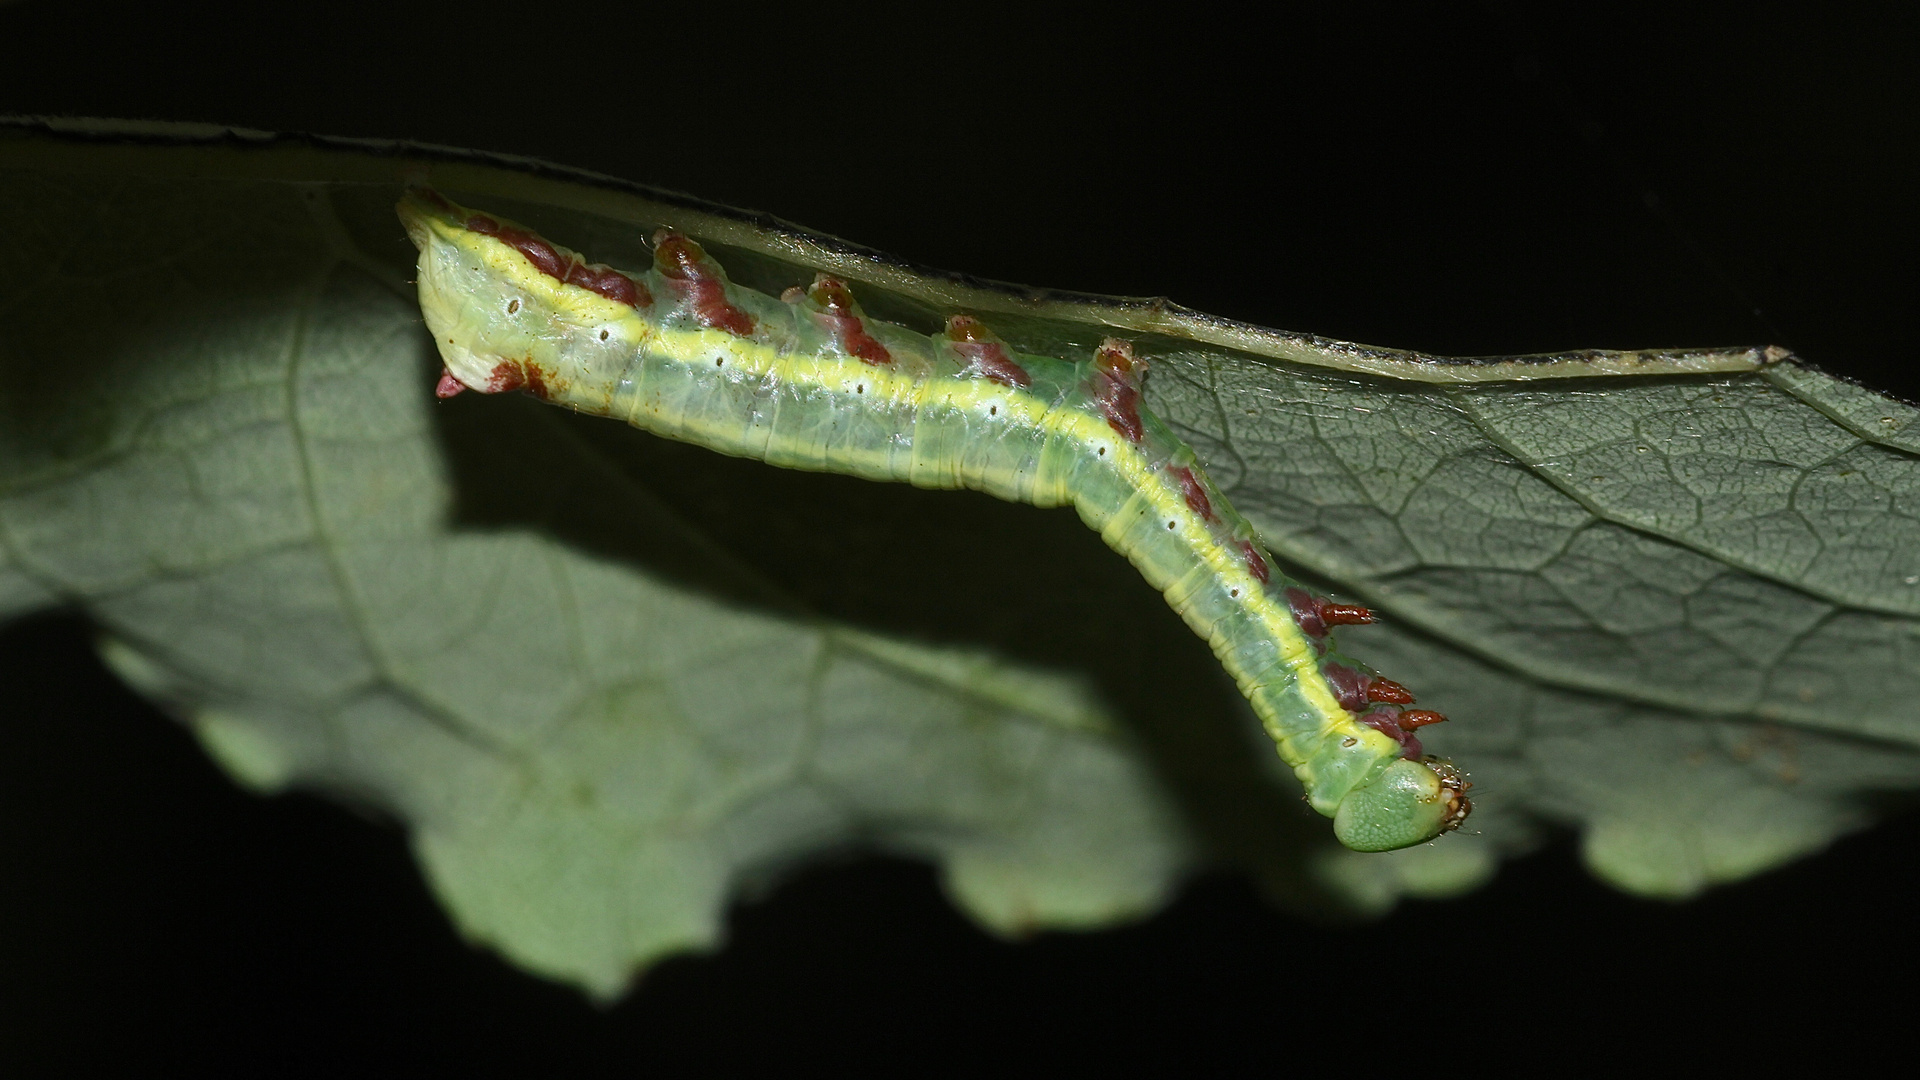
{"points": [[239, 477], [608, 681]]}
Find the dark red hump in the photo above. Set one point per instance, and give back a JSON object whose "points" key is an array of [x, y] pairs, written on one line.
{"points": [[1116, 390], [841, 316], [984, 353], [609, 283], [506, 375], [678, 257], [699, 281], [541, 254], [547, 259], [1390, 722], [1193, 492], [1349, 686], [1306, 612], [1256, 562]]}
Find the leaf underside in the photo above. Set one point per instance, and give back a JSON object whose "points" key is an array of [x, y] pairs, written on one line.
{"points": [[607, 681]]}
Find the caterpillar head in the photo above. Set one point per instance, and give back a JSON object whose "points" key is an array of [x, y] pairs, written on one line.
{"points": [[1409, 803]]}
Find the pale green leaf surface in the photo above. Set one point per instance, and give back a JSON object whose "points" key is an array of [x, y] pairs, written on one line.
{"points": [[1711, 663], [244, 487], [607, 681]]}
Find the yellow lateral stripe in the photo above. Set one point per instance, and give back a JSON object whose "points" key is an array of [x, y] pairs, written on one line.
{"points": [[695, 348]]}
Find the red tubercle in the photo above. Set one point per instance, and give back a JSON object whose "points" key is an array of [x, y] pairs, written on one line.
{"points": [[567, 270], [842, 320], [1419, 718], [1116, 388], [832, 296], [701, 285], [985, 354], [1257, 564], [1388, 692], [1344, 614], [1315, 614], [448, 386], [1194, 492], [1357, 690], [1116, 357]]}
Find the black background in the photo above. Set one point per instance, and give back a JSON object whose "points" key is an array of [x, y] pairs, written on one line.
{"points": [[1457, 178]]}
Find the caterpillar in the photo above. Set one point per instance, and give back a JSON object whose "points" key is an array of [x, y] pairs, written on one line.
{"points": [[806, 381]]}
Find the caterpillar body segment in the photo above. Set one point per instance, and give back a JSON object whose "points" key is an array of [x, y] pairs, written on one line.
{"points": [[805, 380]]}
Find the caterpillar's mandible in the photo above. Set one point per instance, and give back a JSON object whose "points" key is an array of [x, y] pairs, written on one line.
{"points": [[806, 381]]}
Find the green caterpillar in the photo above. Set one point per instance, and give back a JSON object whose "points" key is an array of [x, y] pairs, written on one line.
{"points": [[806, 381]]}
